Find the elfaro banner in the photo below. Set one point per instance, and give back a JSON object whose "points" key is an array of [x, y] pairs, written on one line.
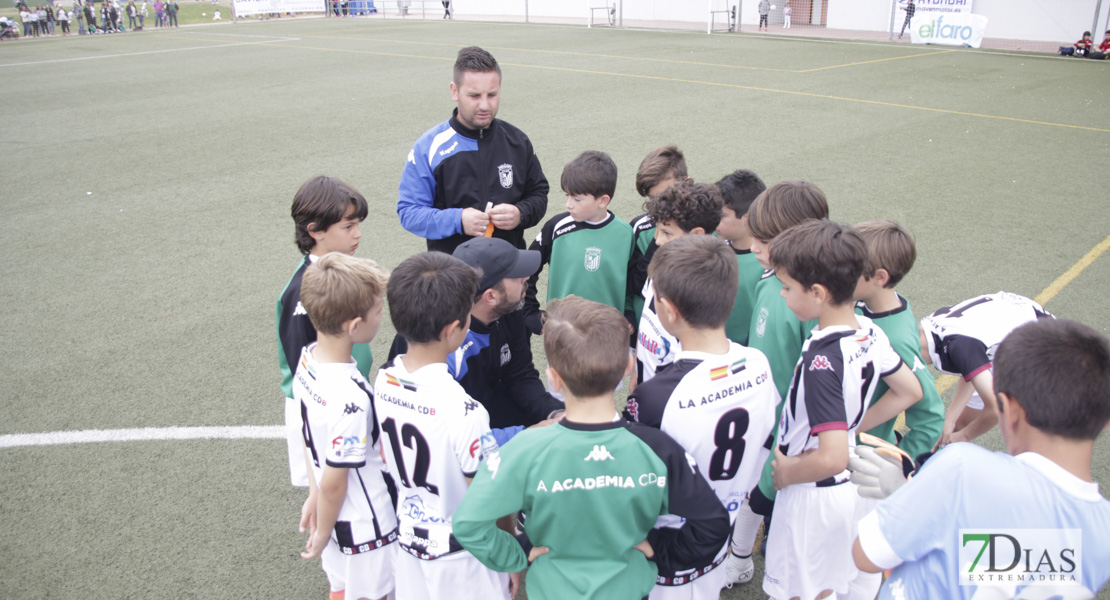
{"points": [[948, 29]]}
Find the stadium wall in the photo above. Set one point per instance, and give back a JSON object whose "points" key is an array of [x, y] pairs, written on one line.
{"points": [[1040, 20]]}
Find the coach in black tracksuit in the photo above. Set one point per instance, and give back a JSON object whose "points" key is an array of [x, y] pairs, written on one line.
{"points": [[459, 167], [494, 364]]}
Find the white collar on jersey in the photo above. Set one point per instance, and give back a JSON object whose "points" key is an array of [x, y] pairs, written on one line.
{"points": [[1084, 490]]}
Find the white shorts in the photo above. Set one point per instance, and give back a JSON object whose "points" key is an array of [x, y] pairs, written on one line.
{"points": [[364, 575], [458, 576], [298, 472], [976, 402], [706, 587], [810, 546]]}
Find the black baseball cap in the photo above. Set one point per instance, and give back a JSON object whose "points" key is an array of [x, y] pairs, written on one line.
{"points": [[497, 259]]}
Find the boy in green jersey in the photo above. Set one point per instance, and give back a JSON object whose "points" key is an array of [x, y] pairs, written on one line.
{"points": [[326, 214], [778, 334], [739, 190], [592, 485], [891, 254], [587, 247], [659, 170]]}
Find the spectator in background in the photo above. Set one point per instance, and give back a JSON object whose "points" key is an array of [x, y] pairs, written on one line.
{"points": [[446, 9], [159, 12], [28, 25], [910, 9], [764, 9], [142, 15], [63, 20], [1084, 45], [132, 13], [171, 13], [49, 19]]}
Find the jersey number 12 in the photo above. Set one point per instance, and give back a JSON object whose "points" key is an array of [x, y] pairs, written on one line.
{"points": [[413, 440]]}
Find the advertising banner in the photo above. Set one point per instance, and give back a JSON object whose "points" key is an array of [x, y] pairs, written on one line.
{"points": [[958, 29], [246, 8]]}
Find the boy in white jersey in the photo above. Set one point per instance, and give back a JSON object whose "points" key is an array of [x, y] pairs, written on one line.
{"points": [[1052, 383], [819, 264], [435, 434], [961, 340], [348, 514], [717, 399], [685, 208]]}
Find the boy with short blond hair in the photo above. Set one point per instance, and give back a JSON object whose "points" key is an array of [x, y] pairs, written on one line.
{"points": [[1052, 379], [348, 514], [436, 433], [685, 208], [891, 252], [592, 485], [819, 264], [739, 190], [659, 170], [717, 399], [326, 215], [593, 262]]}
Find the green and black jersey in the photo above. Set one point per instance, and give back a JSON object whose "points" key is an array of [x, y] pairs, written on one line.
{"points": [[589, 260], [740, 319], [591, 493], [643, 249], [295, 331], [925, 419]]}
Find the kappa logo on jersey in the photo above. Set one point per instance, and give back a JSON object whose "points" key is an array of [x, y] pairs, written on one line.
{"points": [[351, 409], [917, 365], [505, 173], [299, 310], [633, 409], [761, 322], [412, 156], [506, 355], [401, 383], [468, 406], [491, 453], [820, 363], [599, 453], [593, 258], [449, 150]]}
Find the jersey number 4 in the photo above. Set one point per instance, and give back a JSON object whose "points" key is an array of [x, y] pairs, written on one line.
{"points": [[729, 441], [413, 440]]}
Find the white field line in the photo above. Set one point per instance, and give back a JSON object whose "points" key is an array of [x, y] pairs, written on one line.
{"points": [[103, 56], [142, 434]]}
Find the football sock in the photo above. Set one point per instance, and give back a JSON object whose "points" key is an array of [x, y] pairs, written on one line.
{"points": [[745, 530]]}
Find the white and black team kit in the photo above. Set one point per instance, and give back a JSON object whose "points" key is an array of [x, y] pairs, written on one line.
{"points": [[340, 432], [434, 436], [964, 337], [814, 523], [655, 348], [721, 409]]}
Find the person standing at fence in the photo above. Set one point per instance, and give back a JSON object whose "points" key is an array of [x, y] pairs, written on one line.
{"points": [[446, 9], [472, 175], [910, 9], [764, 8], [171, 13], [786, 12]]}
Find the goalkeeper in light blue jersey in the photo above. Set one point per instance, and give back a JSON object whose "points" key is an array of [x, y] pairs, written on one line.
{"points": [[975, 524]]}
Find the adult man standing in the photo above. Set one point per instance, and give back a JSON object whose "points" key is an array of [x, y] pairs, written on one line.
{"points": [[470, 163], [910, 8], [494, 364]]}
